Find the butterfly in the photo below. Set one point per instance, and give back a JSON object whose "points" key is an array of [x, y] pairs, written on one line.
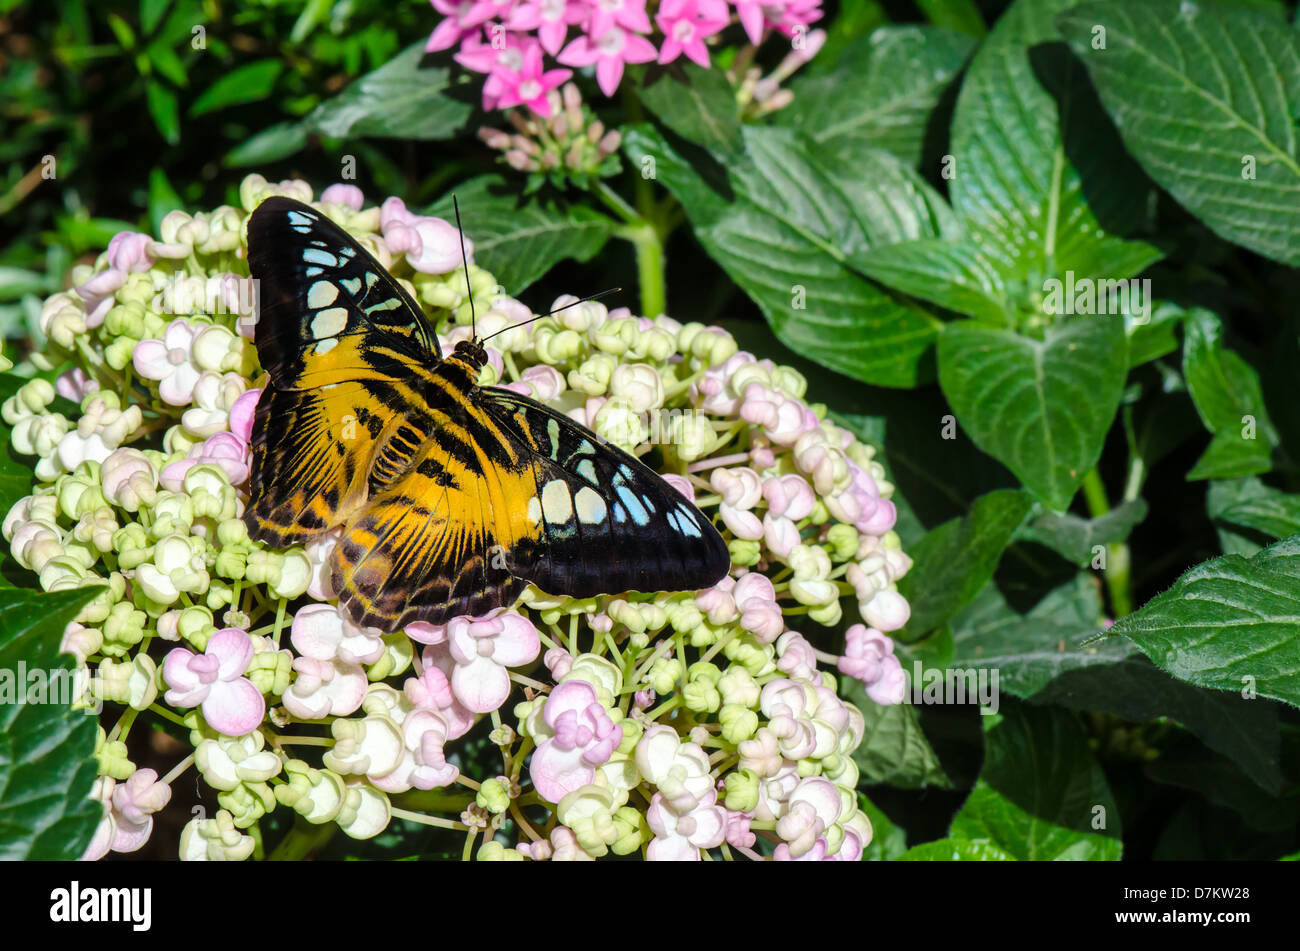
{"points": [[452, 497]]}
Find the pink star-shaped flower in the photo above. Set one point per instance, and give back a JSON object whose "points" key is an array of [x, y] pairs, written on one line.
{"points": [[686, 24], [610, 52]]}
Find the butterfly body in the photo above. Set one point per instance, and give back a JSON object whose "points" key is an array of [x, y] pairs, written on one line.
{"points": [[451, 497]]}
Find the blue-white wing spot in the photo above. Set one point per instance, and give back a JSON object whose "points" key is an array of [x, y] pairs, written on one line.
{"points": [[634, 506], [316, 256]]}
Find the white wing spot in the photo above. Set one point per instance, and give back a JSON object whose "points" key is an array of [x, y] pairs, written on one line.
{"points": [[557, 506], [591, 507], [322, 294], [329, 323], [534, 510]]}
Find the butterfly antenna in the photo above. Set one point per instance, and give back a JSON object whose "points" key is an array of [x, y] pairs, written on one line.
{"points": [[598, 296], [464, 259]]}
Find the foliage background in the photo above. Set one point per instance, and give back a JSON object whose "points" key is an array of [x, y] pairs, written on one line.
{"points": [[1113, 169]]}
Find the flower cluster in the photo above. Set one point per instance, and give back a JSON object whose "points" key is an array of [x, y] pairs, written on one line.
{"points": [[508, 40], [668, 725]]}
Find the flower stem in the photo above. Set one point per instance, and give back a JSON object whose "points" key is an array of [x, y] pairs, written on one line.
{"points": [[302, 840], [1116, 570]]}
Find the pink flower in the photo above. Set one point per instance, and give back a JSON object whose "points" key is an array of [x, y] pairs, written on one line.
{"points": [[869, 656], [755, 598], [530, 84], [221, 449], [342, 194], [550, 18], [323, 632], [583, 737], [610, 52], [432, 691], [324, 688], [170, 362], [681, 484], [680, 836], [213, 681], [482, 650], [431, 245], [686, 24], [75, 385], [629, 14], [452, 28], [128, 252]]}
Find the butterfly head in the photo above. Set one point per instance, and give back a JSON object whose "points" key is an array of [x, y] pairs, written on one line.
{"points": [[471, 353]]}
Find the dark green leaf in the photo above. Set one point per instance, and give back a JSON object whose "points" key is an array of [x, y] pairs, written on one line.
{"points": [[1251, 504], [246, 83], [270, 145], [151, 13], [1228, 397], [954, 561], [1177, 76], [398, 100], [882, 92], [1029, 651], [1038, 178], [47, 763], [519, 240], [1040, 407], [696, 103], [888, 841], [1231, 623], [780, 234], [163, 108], [1040, 795], [1074, 538], [956, 850]]}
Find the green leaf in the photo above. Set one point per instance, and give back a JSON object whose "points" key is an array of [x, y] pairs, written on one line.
{"points": [[17, 282], [696, 103], [47, 763], [1155, 337], [955, 275], [956, 850], [1222, 782], [1176, 77], [1231, 623], [780, 226], [1040, 791], [882, 92], [952, 563], [270, 145], [520, 239], [888, 841], [247, 83], [162, 197], [1039, 178], [163, 109], [1249, 503], [151, 13], [894, 749], [961, 15], [1244, 730], [1230, 401], [1040, 407], [1030, 651], [1074, 538], [399, 100]]}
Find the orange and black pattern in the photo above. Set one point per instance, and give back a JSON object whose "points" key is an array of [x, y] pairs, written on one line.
{"points": [[451, 497]]}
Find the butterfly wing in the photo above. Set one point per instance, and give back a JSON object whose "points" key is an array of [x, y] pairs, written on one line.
{"points": [[601, 521], [344, 347]]}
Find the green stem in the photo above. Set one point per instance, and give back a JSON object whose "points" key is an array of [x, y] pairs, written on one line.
{"points": [[302, 840], [649, 266], [1117, 554]]}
